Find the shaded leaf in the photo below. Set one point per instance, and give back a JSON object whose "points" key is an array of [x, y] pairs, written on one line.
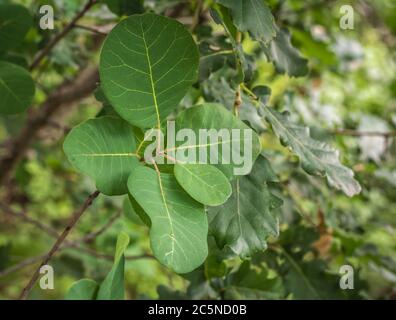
{"points": [[178, 223], [204, 183], [16, 88], [249, 283], [317, 158], [15, 21], [147, 65], [253, 16], [103, 148], [245, 221], [285, 57], [125, 7], [112, 287]]}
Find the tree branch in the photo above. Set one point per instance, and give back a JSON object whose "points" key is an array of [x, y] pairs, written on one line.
{"points": [[355, 133], [68, 92], [75, 217], [47, 49]]}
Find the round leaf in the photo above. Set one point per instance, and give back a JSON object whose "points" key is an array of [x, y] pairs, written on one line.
{"points": [[16, 88], [179, 225], [203, 182], [147, 64], [103, 148]]}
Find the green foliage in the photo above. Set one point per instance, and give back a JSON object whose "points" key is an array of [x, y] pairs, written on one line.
{"points": [[270, 231]]}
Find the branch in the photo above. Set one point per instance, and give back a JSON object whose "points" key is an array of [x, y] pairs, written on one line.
{"points": [[75, 217], [67, 93], [354, 133], [47, 49]]}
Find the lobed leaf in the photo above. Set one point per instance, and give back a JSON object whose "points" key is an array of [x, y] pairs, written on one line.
{"points": [[245, 221], [317, 158]]}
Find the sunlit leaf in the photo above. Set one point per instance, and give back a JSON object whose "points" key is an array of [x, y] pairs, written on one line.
{"points": [[147, 65]]}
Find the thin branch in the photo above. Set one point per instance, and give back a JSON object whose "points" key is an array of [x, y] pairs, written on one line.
{"points": [[75, 217], [47, 49], [23, 264], [90, 236], [355, 133]]}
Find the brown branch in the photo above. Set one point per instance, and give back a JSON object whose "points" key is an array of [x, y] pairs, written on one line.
{"points": [[23, 264], [355, 133], [47, 49], [66, 94], [75, 217]]}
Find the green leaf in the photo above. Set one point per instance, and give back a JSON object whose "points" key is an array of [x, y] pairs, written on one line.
{"points": [[204, 183], [147, 65], [15, 21], [179, 224], [130, 212], [285, 57], [253, 16], [125, 7], [16, 88], [112, 287], [103, 148], [243, 141], [245, 221], [84, 289], [249, 283], [317, 158]]}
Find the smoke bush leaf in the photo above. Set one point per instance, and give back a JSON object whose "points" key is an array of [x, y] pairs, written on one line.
{"points": [[179, 224], [103, 148], [245, 221], [317, 158], [214, 116], [204, 183], [16, 88], [147, 64]]}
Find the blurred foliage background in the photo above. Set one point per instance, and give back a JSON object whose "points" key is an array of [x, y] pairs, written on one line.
{"points": [[350, 91]]}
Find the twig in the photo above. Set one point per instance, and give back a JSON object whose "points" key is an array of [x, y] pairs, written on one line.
{"points": [[75, 217], [21, 265], [41, 55], [90, 236], [355, 133]]}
